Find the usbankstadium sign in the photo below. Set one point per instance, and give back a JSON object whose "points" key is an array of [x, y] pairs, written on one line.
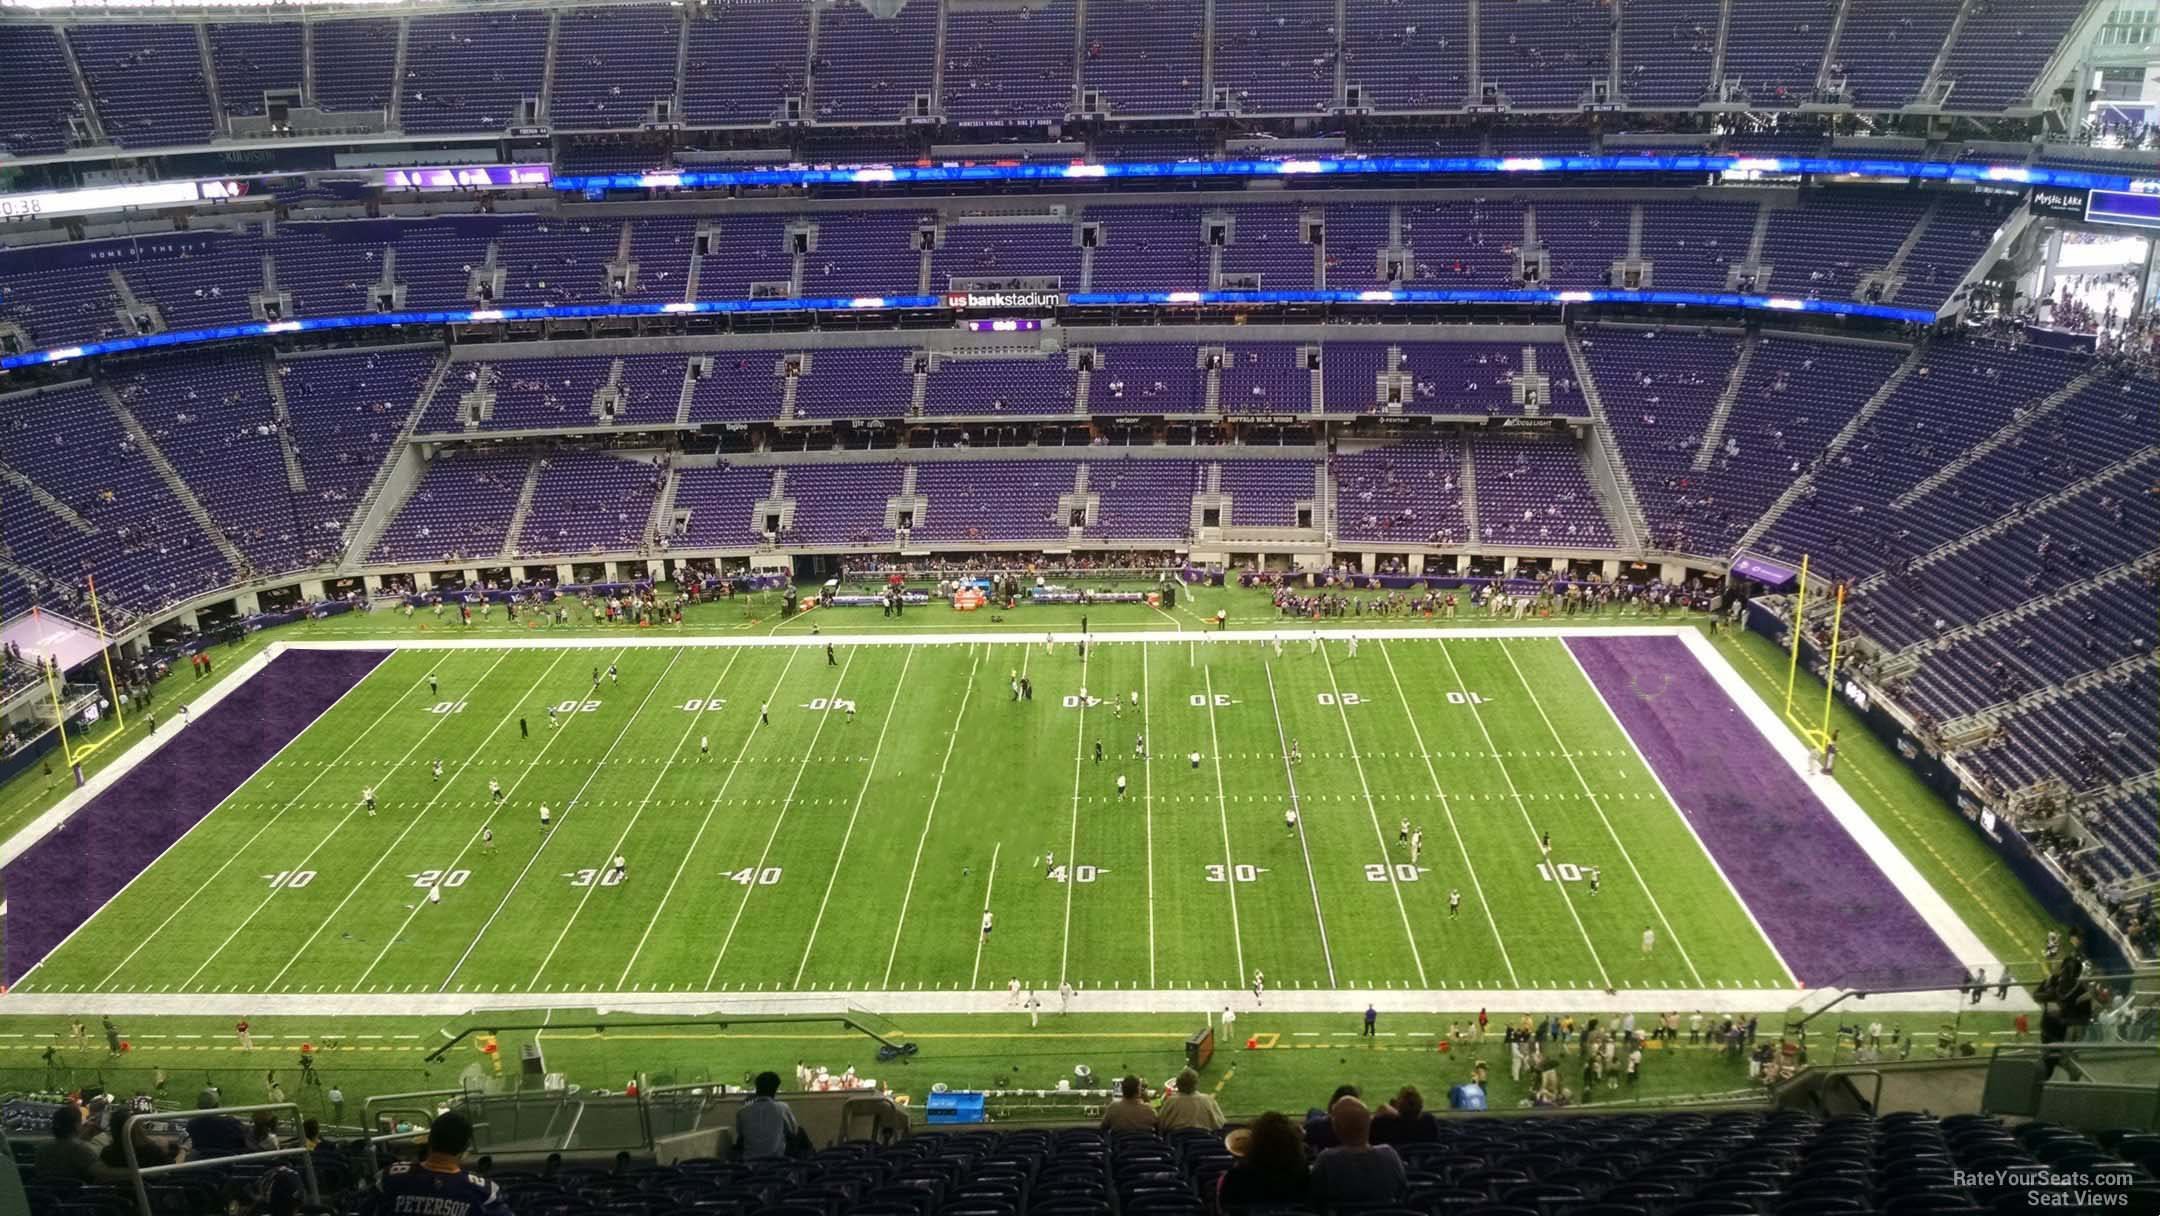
{"points": [[1004, 299]]}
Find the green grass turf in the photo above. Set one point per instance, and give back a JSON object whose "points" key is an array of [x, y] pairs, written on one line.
{"points": [[1311, 1054], [818, 853]]}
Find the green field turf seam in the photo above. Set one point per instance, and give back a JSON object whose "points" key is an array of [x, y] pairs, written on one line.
{"points": [[323, 841], [441, 789], [1425, 754], [1515, 794], [1222, 808], [937, 791], [1659, 781], [765, 853], [691, 723], [832, 879], [1312, 880], [711, 807], [562, 820], [1372, 812], [1598, 805], [234, 855]]}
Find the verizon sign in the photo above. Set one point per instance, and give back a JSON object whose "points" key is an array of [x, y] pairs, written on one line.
{"points": [[1004, 299]]}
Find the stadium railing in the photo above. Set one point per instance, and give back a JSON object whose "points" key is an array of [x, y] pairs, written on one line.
{"points": [[140, 1176]]}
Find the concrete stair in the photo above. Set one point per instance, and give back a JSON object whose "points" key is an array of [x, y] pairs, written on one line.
{"points": [[180, 491], [1951, 548], [44, 498], [1714, 434], [1805, 482], [524, 509], [1980, 451], [1607, 471], [372, 513], [295, 477], [1467, 481]]}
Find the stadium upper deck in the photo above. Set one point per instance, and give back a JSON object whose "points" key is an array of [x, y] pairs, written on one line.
{"points": [[105, 83]]}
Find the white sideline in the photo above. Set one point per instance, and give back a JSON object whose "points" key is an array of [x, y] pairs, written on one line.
{"points": [[1197, 1001], [385, 999], [1964, 944], [1005, 638], [98, 782]]}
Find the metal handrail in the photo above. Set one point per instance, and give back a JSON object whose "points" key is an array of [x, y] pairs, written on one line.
{"points": [[137, 1171]]}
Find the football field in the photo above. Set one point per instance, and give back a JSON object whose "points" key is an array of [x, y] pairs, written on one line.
{"points": [[795, 819]]}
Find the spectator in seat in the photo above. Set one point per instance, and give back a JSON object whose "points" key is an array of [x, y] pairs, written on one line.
{"points": [[67, 1155], [1356, 1170], [149, 1150], [1405, 1120], [214, 1135], [764, 1126], [1130, 1113], [1270, 1165], [1188, 1107], [439, 1184], [1318, 1134]]}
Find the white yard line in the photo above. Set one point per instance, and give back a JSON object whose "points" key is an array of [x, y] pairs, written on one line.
{"points": [[235, 855], [560, 820], [1767, 1001], [142, 749], [1520, 806], [1312, 882], [1222, 809], [529, 768], [936, 791], [385, 855], [989, 885], [1598, 804], [689, 728], [1072, 839], [1007, 637], [1147, 808], [1440, 791], [1685, 822], [1891, 860], [1373, 812], [322, 842], [718, 796], [809, 750], [899, 683]]}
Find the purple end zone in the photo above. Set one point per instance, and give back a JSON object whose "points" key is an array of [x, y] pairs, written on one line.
{"points": [[62, 880], [1833, 915]]}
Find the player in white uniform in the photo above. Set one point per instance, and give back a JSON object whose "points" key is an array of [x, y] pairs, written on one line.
{"points": [[1289, 818], [434, 894], [487, 840], [543, 816], [988, 920], [494, 790], [368, 796], [620, 868], [438, 771], [1417, 844]]}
